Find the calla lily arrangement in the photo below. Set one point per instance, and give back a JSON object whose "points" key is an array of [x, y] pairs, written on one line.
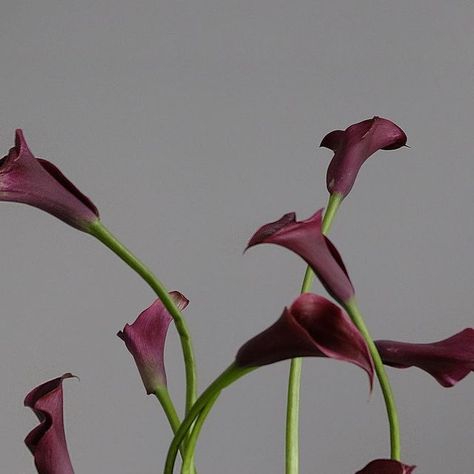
{"points": [[310, 326]]}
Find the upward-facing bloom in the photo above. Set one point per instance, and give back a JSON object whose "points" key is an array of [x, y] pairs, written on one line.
{"points": [[306, 239], [448, 361], [37, 182], [311, 326], [386, 466], [145, 339], [47, 442], [354, 145]]}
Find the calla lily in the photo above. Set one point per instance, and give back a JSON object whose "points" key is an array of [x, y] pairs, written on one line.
{"points": [[145, 339], [448, 361], [354, 145], [47, 442], [386, 466], [311, 326], [305, 239], [37, 182]]}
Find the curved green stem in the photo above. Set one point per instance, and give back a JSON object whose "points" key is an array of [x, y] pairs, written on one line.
{"points": [[188, 456], [294, 380], [167, 404], [356, 316], [230, 375], [98, 230]]}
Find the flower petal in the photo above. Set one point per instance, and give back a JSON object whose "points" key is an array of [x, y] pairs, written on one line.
{"points": [[354, 145], [305, 239], [47, 442], [448, 361], [312, 326], [39, 183], [386, 466], [145, 339]]}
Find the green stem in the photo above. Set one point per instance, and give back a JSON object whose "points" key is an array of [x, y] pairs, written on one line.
{"points": [[98, 230], [230, 375], [356, 316], [164, 398], [188, 456], [294, 380]]}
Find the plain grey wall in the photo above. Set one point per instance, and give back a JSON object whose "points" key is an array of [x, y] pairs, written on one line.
{"points": [[190, 123]]}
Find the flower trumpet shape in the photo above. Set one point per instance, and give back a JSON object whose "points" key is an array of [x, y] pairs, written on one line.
{"points": [[386, 466], [354, 145], [37, 182], [448, 361], [311, 326], [47, 442], [145, 339], [305, 239]]}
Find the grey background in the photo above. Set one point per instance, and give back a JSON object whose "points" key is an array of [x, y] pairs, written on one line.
{"points": [[190, 124]]}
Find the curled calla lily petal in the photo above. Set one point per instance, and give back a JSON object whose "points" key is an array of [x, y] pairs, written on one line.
{"points": [[354, 145], [448, 361], [145, 339], [47, 442], [311, 326], [37, 182], [386, 466], [305, 239]]}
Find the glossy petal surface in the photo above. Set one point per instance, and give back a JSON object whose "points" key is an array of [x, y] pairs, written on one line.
{"points": [[448, 361], [47, 442], [39, 183], [145, 339], [312, 326], [305, 239], [386, 466], [354, 145]]}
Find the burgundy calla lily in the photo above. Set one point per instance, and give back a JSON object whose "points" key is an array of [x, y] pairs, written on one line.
{"points": [[37, 182], [305, 239], [448, 361], [311, 326], [47, 442], [145, 339], [386, 466], [354, 145]]}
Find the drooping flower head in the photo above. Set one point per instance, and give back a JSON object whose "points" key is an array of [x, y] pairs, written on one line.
{"points": [[306, 239], [448, 361], [386, 466], [354, 145], [47, 442], [37, 182], [145, 339], [311, 326]]}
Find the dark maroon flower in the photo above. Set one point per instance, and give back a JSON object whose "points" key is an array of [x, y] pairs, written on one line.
{"points": [[145, 339], [448, 361], [386, 466], [354, 145], [305, 239], [312, 326], [37, 182], [47, 442]]}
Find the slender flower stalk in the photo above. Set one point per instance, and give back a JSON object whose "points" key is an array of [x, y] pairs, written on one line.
{"points": [[356, 316], [98, 230], [230, 375], [294, 379]]}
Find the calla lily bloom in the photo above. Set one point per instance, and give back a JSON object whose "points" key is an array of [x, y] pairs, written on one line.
{"points": [[47, 442], [448, 361], [386, 466], [354, 145], [37, 182], [311, 326], [145, 339], [305, 239]]}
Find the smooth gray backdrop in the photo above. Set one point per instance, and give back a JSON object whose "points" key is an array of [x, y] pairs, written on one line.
{"points": [[190, 123]]}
